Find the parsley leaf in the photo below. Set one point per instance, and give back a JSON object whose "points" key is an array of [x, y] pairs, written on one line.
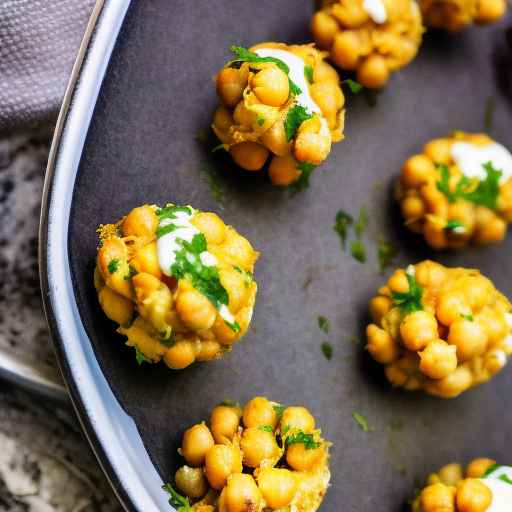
{"points": [[266, 428], [294, 118], [362, 222], [505, 478], [469, 317], [327, 350], [303, 180], [113, 265], [279, 410], [410, 301], [324, 324], [141, 358], [308, 73], [491, 469], [341, 225], [355, 87], [454, 225], [248, 277], [300, 437], [358, 250], [386, 254], [362, 422], [179, 502], [260, 120]]}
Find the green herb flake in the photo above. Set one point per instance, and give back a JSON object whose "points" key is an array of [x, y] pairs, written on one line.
{"points": [[454, 225], [308, 73], [489, 115], [358, 250], [140, 357], [410, 301], [362, 422], [179, 502], [491, 469], [468, 317], [342, 223], [220, 147], [386, 253], [248, 277], [362, 222], [505, 478], [113, 265], [327, 350], [279, 409], [132, 271], [324, 324], [260, 120], [302, 183], [300, 437], [266, 428], [294, 118], [355, 87]]}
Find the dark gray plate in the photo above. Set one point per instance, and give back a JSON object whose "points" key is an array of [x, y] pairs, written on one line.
{"points": [[157, 96]]}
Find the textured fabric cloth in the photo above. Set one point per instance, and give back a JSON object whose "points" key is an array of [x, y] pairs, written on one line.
{"points": [[39, 40]]}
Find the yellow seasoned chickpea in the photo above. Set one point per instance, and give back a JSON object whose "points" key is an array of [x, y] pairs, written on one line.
{"points": [[197, 442], [450, 204], [191, 482], [260, 412], [451, 474], [299, 457], [438, 359], [220, 462], [259, 445], [418, 329], [278, 486], [242, 494], [473, 496], [469, 337], [224, 423], [297, 418], [438, 498], [154, 283], [257, 126], [381, 345], [477, 467]]}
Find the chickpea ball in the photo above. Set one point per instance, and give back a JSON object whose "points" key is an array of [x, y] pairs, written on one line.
{"points": [[151, 294], [454, 194], [274, 459], [282, 105], [455, 15], [438, 329], [372, 42]]}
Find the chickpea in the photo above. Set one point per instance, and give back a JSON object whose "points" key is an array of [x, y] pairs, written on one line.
{"points": [[490, 11], [438, 359], [302, 459], [297, 418], [191, 482], [180, 355], [417, 171], [242, 494], [209, 350], [452, 305], [220, 462], [473, 496], [145, 260], [271, 86], [222, 119], [381, 345], [469, 338], [197, 441], [311, 144], [324, 29], [439, 151], [413, 208], [195, 310], [380, 306], [451, 474], [478, 467], [141, 221], [231, 83], [275, 140], [249, 155], [346, 50], [258, 446], [453, 384], [116, 307], [430, 274], [211, 226], [259, 412], [278, 486], [438, 498], [398, 282], [494, 325], [224, 423], [418, 329], [283, 170], [373, 72]]}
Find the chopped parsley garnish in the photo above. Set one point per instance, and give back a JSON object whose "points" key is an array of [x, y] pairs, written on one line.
{"points": [[358, 250], [113, 265], [308, 73], [300, 437], [179, 502], [410, 301], [482, 192], [355, 87], [491, 469], [503, 477], [169, 212], [468, 317], [131, 272], [454, 225], [489, 115], [248, 277], [362, 222], [306, 170], [327, 350], [341, 225], [279, 410], [362, 422], [141, 358], [266, 428], [294, 118], [245, 55], [324, 324], [386, 253], [260, 120]]}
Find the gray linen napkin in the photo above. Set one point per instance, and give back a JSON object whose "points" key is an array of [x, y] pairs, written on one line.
{"points": [[39, 40]]}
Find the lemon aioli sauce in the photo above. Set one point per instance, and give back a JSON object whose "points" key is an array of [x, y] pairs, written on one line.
{"points": [[470, 159], [501, 490], [376, 10]]}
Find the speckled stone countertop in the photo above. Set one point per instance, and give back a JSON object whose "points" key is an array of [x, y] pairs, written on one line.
{"points": [[46, 464]]}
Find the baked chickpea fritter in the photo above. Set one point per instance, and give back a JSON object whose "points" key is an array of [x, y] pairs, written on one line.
{"points": [[459, 190], [263, 457], [281, 104], [443, 330], [374, 38], [483, 486], [454, 15], [178, 282]]}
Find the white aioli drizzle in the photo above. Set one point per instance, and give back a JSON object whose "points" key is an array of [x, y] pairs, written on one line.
{"points": [[501, 491], [471, 157], [168, 245], [376, 10]]}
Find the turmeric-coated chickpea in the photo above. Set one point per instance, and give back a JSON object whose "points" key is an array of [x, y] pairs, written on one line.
{"points": [[452, 306], [224, 423], [439, 151], [300, 458], [141, 221], [380, 306], [469, 337], [116, 307], [211, 226], [473, 496], [418, 329], [490, 10], [180, 355], [381, 345], [297, 418], [197, 441], [438, 359], [191, 482], [324, 28], [278, 486], [373, 72], [451, 474], [249, 155], [417, 171], [242, 494], [258, 446], [271, 86], [438, 498], [276, 141], [259, 412], [231, 83], [477, 467], [195, 310], [220, 462], [283, 170]]}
